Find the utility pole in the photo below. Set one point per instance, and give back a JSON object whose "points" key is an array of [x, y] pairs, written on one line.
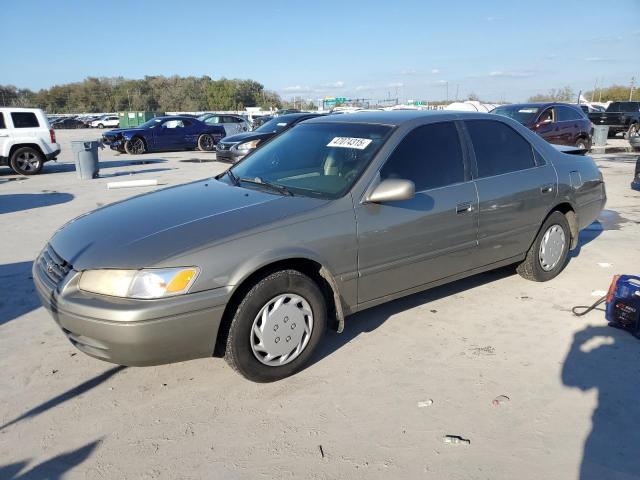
{"points": [[632, 87]]}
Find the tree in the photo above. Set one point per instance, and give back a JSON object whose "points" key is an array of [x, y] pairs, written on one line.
{"points": [[612, 93], [564, 94]]}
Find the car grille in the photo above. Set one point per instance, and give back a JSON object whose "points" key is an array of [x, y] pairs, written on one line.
{"points": [[53, 266], [224, 146]]}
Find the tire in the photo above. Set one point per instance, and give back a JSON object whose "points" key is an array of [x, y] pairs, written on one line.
{"points": [[26, 161], [532, 267], [583, 144], [240, 352], [100, 125], [634, 129], [135, 146], [206, 143]]}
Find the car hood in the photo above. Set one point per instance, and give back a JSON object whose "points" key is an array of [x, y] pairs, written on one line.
{"points": [[149, 229], [247, 137]]}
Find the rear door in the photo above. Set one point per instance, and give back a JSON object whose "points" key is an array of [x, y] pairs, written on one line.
{"points": [[406, 244], [548, 125], [516, 189], [568, 126]]}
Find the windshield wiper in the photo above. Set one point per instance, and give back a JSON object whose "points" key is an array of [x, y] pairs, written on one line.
{"points": [[258, 181], [232, 176]]}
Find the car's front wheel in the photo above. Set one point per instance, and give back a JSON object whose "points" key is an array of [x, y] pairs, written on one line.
{"points": [[549, 253], [276, 327], [26, 161], [583, 144], [100, 125], [135, 146], [206, 142]]}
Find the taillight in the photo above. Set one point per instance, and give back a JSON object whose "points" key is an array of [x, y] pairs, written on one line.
{"points": [[52, 133], [612, 288]]}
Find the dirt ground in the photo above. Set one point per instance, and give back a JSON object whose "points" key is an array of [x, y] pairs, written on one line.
{"points": [[378, 398]]}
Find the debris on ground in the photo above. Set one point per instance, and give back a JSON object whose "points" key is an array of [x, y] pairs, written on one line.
{"points": [[321, 450], [425, 403], [499, 400], [456, 440]]}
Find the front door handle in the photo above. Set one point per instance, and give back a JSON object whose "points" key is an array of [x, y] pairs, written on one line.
{"points": [[464, 207], [547, 188]]}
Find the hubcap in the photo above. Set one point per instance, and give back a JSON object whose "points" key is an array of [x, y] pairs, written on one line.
{"points": [[27, 161], [551, 247], [281, 330], [207, 142], [137, 146]]}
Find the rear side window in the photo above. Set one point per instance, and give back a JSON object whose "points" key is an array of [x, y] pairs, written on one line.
{"points": [[430, 156], [567, 114], [24, 120], [499, 149], [2, 125]]}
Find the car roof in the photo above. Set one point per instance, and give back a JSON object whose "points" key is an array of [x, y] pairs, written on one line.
{"points": [[391, 118], [294, 116], [540, 105]]}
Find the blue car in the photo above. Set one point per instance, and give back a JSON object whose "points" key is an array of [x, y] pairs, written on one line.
{"points": [[165, 133]]}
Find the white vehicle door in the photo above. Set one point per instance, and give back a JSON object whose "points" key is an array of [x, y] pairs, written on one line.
{"points": [[5, 135]]}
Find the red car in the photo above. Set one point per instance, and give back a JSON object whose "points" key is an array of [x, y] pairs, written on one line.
{"points": [[558, 123]]}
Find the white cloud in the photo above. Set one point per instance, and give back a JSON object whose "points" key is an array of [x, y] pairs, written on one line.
{"points": [[408, 71], [395, 85], [440, 82], [360, 88], [512, 74], [338, 84], [595, 59], [297, 89], [435, 71]]}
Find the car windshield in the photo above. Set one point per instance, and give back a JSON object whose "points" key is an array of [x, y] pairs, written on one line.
{"points": [[204, 116], [272, 126], [150, 123], [318, 159], [522, 114]]}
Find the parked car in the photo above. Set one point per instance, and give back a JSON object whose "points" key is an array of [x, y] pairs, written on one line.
{"points": [[232, 123], [27, 140], [165, 133], [558, 123], [591, 108], [333, 216], [619, 117], [69, 123], [235, 147], [261, 120], [108, 121], [635, 184]]}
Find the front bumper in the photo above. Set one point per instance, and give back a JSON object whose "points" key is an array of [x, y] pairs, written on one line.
{"points": [[230, 154], [132, 332]]}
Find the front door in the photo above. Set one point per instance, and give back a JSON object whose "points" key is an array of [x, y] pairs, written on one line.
{"points": [[171, 135], [547, 126], [406, 244]]}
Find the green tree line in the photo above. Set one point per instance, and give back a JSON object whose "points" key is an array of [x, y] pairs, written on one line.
{"points": [[152, 93], [606, 94]]}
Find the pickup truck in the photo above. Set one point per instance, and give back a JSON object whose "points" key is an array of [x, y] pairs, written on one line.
{"points": [[619, 117]]}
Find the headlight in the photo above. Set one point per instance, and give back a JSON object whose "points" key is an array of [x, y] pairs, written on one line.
{"points": [[144, 284], [248, 145]]}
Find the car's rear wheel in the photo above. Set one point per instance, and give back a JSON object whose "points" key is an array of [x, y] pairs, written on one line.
{"points": [[549, 253], [583, 144], [135, 146], [633, 131], [206, 142], [100, 125], [276, 327], [26, 161]]}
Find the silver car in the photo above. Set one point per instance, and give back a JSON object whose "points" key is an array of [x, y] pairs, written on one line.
{"points": [[232, 124], [334, 216]]}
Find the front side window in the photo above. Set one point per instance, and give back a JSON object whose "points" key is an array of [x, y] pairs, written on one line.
{"points": [[2, 125], [24, 120], [548, 116], [214, 120], [318, 159], [498, 148], [171, 124], [523, 114], [430, 156]]}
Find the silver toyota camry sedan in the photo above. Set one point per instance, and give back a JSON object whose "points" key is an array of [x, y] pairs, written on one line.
{"points": [[334, 216]]}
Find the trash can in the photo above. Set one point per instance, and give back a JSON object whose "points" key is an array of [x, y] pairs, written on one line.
{"points": [[600, 135], [85, 155]]}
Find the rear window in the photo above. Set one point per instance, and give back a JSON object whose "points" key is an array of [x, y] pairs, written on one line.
{"points": [[24, 120], [499, 149], [568, 113]]}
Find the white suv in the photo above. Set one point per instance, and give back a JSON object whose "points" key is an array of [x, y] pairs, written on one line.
{"points": [[108, 121], [26, 140]]}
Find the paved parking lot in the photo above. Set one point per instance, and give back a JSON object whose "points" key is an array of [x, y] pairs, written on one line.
{"points": [[378, 399]]}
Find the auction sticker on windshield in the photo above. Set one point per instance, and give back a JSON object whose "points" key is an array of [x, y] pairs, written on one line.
{"points": [[350, 142]]}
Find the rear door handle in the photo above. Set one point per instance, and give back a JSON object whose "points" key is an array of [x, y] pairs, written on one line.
{"points": [[547, 188], [464, 207]]}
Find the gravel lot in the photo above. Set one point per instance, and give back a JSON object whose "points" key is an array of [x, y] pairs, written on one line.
{"points": [[573, 384]]}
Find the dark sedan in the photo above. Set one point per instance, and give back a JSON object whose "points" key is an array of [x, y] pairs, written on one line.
{"points": [[235, 147], [159, 134], [558, 123], [68, 123]]}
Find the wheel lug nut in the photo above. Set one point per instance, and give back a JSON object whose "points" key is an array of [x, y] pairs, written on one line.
{"points": [[286, 319], [288, 338], [275, 327], [293, 325], [277, 339]]}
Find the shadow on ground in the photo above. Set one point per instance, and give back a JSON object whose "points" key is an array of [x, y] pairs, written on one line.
{"points": [[19, 295], [66, 396], [16, 202], [608, 360], [52, 469], [370, 319]]}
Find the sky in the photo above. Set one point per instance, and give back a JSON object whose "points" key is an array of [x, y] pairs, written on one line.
{"points": [[421, 50]]}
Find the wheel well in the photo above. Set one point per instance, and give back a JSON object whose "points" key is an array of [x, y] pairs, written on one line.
{"points": [[35, 146], [310, 268], [567, 210]]}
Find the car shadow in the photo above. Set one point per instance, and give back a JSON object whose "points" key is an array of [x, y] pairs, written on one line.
{"points": [[52, 469], [66, 396], [52, 167], [20, 297], [368, 320], [16, 202], [607, 359], [135, 172]]}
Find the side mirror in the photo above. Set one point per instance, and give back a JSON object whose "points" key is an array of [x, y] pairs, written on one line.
{"points": [[392, 190]]}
